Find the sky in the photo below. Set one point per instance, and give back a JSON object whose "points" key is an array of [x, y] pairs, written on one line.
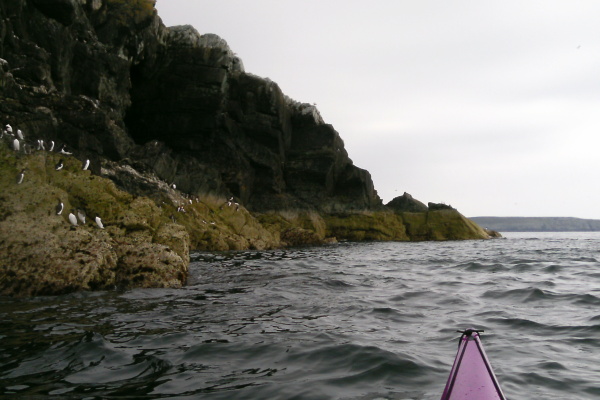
{"points": [[492, 107]]}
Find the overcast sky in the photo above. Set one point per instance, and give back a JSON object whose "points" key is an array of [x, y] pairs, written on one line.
{"points": [[492, 107]]}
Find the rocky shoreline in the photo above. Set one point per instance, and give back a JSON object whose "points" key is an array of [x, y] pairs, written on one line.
{"points": [[174, 128]]}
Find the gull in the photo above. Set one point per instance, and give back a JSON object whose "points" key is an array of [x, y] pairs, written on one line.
{"points": [[21, 176]]}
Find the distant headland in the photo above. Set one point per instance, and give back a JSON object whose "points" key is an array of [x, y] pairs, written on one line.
{"points": [[538, 224], [162, 139]]}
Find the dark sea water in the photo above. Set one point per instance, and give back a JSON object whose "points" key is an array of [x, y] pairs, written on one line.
{"points": [[349, 321]]}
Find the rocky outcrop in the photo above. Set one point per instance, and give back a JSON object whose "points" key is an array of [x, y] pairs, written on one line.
{"points": [[173, 127], [439, 206], [406, 203], [42, 253]]}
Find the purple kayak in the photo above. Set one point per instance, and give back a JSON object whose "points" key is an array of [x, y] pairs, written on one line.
{"points": [[471, 377]]}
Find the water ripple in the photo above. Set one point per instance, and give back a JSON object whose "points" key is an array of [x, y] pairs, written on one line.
{"points": [[353, 321]]}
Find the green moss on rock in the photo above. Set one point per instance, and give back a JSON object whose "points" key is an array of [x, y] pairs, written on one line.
{"points": [[447, 224], [41, 253], [382, 225]]}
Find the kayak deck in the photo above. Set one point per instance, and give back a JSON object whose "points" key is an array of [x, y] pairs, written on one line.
{"points": [[471, 376]]}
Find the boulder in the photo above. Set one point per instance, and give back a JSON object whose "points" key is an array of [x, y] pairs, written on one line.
{"points": [[406, 203], [439, 206]]}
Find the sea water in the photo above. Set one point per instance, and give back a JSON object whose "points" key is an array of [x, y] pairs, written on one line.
{"points": [[346, 321]]}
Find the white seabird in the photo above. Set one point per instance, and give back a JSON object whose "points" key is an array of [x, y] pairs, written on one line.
{"points": [[59, 207], [8, 129], [72, 218], [20, 135], [16, 145], [51, 145], [63, 150], [81, 215], [59, 165], [86, 164], [21, 176], [99, 222]]}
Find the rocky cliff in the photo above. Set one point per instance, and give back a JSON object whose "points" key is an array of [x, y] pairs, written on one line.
{"points": [[173, 127]]}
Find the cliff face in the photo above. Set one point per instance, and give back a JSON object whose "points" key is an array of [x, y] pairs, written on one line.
{"points": [[268, 151], [107, 78], [172, 118]]}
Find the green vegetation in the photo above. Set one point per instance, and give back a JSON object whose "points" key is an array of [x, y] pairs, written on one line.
{"points": [[146, 243]]}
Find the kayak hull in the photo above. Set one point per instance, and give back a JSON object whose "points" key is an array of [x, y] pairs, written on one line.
{"points": [[472, 377]]}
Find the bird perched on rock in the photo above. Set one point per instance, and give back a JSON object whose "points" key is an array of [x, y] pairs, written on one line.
{"points": [[21, 176], [16, 145], [99, 222], [20, 135], [51, 145], [86, 164], [40, 143], [72, 218], [81, 215], [63, 150], [59, 207], [59, 165], [8, 129]]}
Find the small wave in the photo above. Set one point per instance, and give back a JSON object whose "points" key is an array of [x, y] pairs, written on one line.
{"points": [[519, 323], [587, 299], [551, 365], [355, 366], [336, 283], [395, 315], [525, 295], [586, 259], [551, 269], [476, 266]]}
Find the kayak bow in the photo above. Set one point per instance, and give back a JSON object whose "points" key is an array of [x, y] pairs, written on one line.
{"points": [[471, 377]]}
